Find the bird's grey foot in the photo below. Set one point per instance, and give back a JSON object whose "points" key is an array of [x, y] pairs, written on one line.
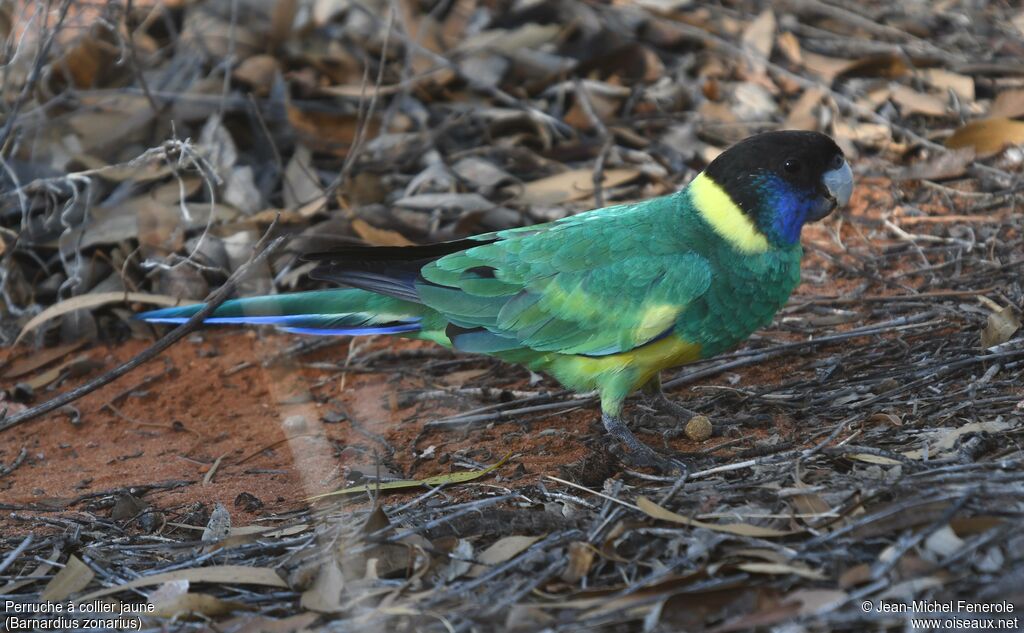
{"points": [[655, 398], [634, 452], [664, 406]]}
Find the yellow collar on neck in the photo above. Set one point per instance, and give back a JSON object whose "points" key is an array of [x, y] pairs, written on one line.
{"points": [[727, 220]]}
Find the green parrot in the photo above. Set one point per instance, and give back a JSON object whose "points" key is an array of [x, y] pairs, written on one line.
{"points": [[602, 300]]}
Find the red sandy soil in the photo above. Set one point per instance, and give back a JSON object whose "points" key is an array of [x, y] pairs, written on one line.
{"points": [[208, 409], [177, 427]]}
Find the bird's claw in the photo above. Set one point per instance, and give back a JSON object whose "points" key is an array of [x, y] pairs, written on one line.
{"points": [[632, 452], [655, 399], [663, 405]]}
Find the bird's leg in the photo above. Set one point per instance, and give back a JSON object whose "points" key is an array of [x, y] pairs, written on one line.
{"points": [[637, 453], [655, 398]]}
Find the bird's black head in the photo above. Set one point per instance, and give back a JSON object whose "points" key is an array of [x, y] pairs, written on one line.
{"points": [[781, 180]]}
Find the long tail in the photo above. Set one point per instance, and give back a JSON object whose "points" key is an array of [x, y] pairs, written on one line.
{"points": [[344, 312]]}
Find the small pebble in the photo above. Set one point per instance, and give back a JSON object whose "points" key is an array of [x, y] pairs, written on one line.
{"points": [[698, 428]]}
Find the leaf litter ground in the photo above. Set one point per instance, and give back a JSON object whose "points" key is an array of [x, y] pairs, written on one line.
{"points": [[866, 446]]}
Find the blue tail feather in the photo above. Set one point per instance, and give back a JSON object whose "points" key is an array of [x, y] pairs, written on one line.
{"points": [[330, 313], [363, 331]]}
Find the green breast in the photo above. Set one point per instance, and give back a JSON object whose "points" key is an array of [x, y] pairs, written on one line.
{"points": [[743, 297], [745, 293]]}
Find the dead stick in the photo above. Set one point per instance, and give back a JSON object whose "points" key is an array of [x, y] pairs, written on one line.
{"points": [[260, 252], [935, 294], [951, 219]]}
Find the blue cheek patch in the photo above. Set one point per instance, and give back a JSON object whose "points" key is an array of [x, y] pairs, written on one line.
{"points": [[787, 208]]}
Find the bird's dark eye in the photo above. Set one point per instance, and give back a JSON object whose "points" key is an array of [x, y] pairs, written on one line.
{"points": [[792, 166], [837, 162]]}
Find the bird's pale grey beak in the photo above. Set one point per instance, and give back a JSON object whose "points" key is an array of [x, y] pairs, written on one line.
{"points": [[839, 183]]}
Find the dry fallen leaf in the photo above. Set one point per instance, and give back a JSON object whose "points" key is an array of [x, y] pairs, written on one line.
{"points": [[1008, 104], [91, 61], [528, 36], [856, 575], [300, 184], [160, 229], [781, 569], [74, 577], [462, 377], [378, 237], [85, 302], [480, 173], [172, 599], [109, 124], [282, 17], [222, 574], [526, 617], [872, 459], [429, 482], [206, 32], [462, 202], [810, 503], [6, 21], [259, 72], [581, 557], [816, 601], [176, 190], [887, 65], [911, 101], [326, 130], [502, 550], [460, 559], [939, 166], [790, 47], [869, 134], [363, 91], [875, 97], [944, 439], [961, 85], [828, 68], [655, 511], [803, 115], [759, 36], [753, 102], [943, 542], [325, 10], [218, 527], [1018, 21], [324, 596], [38, 359], [79, 365], [988, 136], [1000, 327], [603, 107], [971, 526], [572, 185], [300, 623]]}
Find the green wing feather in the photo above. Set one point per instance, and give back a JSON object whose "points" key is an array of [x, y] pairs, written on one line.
{"points": [[574, 286]]}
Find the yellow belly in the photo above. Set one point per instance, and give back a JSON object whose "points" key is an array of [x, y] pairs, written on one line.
{"points": [[618, 375], [647, 360]]}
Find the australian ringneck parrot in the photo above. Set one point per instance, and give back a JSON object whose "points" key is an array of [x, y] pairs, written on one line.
{"points": [[602, 300]]}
